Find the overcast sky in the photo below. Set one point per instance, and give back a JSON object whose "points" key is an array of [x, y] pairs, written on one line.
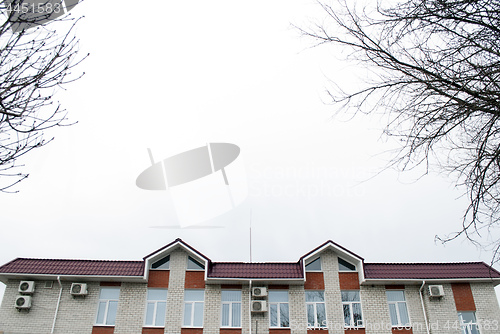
{"points": [[177, 75]]}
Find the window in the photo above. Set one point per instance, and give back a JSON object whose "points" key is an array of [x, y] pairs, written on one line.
{"points": [[108, 304], [193, 308], [278, 308], [346, 266], [162, 263], [231, 308], [316, 312], [156, 307], [352, 309], [314, 265], [468, 322], [193, 264], [397, 308]]}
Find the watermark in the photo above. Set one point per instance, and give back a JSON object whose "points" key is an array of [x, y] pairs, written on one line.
{"points": [[203, 182], [484, 324], [26, 14]]}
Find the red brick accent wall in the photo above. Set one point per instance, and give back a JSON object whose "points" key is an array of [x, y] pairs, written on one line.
{"points": [[278, 287], [280, 331], [402, 331], [317, 331], [314, 281], [463, 297], [152, 330], [158, 278], [195, 280], [191, 330], [111, 284], [349, 281], [355, 331], [230, 287], [230, 331], [102, 330]]}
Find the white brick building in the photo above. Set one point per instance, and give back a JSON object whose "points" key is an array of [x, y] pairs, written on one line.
{"points": [[178, 290]]}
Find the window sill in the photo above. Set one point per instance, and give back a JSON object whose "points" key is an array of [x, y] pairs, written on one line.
{"points": [[151, 326], [100, 325]]}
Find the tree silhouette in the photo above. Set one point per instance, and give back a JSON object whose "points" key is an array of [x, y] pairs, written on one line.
{"points": [[436, 67], [38, 51]]}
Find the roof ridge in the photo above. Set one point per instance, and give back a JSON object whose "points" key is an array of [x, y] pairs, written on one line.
{"points": [[79, 260], [423, 263]]}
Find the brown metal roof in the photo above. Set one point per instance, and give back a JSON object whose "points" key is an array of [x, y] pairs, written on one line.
{"points": [[255, 270], [429, 270], [73, 267]]}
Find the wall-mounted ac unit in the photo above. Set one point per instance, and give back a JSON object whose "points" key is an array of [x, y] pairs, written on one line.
{"points": [[259, 292], [27, 287], [23, 302], [436, 291], [259, 306], [78, 289]]}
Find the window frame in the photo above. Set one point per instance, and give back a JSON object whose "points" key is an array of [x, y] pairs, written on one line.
{"points": [[315, 311], [399, 324], [167, 261], [155, 309], [230, 303], [199, 263], [346, 270], [106, 307], [278, 309], [351, 313], [193, 303], [464, 325], [314, 270]]}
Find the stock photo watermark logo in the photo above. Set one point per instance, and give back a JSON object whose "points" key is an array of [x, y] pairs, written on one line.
{"points": [[204, 182], [26, 14]]}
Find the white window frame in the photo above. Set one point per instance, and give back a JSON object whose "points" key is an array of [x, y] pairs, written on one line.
{"points": [[315, 270], [106, 308], [201, 263], [278, 309], [351, 313], [465, 326], [315, 311], [346, 270], [155, 309], [231, 310], [193, 303], [399, 324]]}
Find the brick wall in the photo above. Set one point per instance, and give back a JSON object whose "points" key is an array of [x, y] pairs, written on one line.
{"points": [[487, 309], [175, 297], [194, 280], [333, 299], [314, 281], [158, 278], [464, 301], [131, 308], [349, 281]]}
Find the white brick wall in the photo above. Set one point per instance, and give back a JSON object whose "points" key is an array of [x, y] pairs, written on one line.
{"points": [[131, 308], [375, 309], [487, 310], [175, 297]]}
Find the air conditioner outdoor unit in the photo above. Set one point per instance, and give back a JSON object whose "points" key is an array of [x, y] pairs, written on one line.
{"points": [[259, 292], [23, 302], [436, 291], [259, 306], [26, 287], [78, 289]]}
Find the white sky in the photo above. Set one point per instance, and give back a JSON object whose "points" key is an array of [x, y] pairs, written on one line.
{"points": [[176, 75]]}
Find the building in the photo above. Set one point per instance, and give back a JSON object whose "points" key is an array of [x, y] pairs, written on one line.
{"points": [[178, 290]]}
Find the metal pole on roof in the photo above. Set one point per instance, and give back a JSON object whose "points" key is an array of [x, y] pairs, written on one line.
{"points": [[250, 235]]}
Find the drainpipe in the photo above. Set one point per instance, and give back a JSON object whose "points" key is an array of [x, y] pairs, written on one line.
{"points": [[58, 302], [423, 308], [250, 307]]}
